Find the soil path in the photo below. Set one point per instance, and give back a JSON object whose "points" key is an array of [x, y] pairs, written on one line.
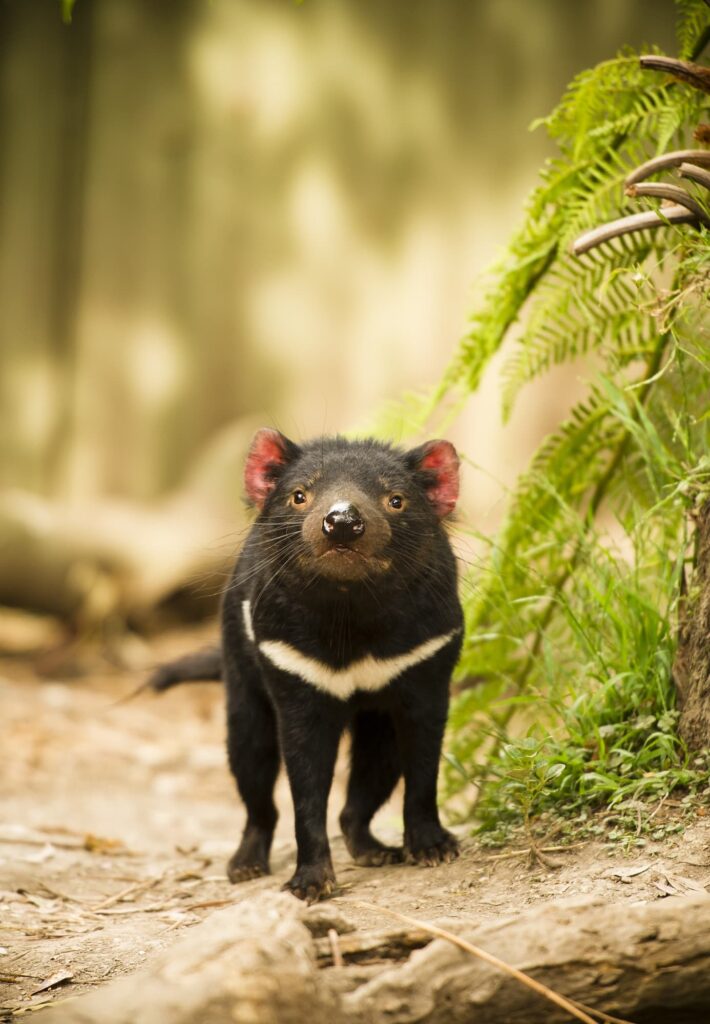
{"points": [[116, 822]]}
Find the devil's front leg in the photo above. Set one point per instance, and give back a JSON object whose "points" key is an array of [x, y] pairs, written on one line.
{"points": [[310, 725], [420, 719]]}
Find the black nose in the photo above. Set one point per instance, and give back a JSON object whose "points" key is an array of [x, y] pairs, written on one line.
{"points": [[343, 523]]}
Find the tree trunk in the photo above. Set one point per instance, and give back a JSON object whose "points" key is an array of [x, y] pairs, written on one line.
{"points": [[691, 670]]}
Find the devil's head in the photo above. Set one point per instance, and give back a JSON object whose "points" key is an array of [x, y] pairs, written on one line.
{"points": [[348, 511]]}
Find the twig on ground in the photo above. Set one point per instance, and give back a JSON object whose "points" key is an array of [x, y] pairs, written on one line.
{"points": [[535, 852], [654, 812], [210, 903], [32, 841], [89, 843], [65, 897], [60, 978], [605, 1018], [335, 947], [131, 890], [16, 976], [152, 908], [525, 852]]}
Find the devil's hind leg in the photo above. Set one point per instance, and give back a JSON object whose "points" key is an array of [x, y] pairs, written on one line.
{"points": [[374, 771]]}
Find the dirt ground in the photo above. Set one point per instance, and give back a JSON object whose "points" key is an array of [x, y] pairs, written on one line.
{"points": [[116, 821]]}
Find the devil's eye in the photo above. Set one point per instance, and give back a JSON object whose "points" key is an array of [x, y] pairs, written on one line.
{"points": [[299, 498], [396, 502]]}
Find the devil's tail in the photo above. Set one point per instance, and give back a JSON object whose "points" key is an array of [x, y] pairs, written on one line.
{"points": [[191, 668]]}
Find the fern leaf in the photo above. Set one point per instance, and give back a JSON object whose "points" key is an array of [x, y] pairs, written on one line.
{"points": [[693, 27], [582, 187], [527, 555], [581, 306]]}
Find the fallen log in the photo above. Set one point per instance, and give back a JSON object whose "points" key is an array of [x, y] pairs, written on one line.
{"points": [[258, 962], [250, 964], [641, 962], [97, 559]]}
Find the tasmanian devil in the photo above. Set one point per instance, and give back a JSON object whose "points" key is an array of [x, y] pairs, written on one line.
{"points": [[342, 611]]}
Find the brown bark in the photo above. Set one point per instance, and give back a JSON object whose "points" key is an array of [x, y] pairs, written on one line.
{"points": [[372, 947], [691, 669], [640, 962]]}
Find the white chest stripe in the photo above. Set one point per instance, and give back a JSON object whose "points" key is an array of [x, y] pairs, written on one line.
{"points": [[367, 674], [246, 615]]}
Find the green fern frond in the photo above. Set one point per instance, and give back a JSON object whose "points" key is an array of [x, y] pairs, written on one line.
{"points": [[608, 91], [527, 552], [564, 468], [598, 193], [658, 114], [576, 192], [556, 344], [583, 306], [693, 29], [670, 127]]}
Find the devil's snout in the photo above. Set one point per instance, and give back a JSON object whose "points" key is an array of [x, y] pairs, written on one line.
{"points": [[343, 523]]}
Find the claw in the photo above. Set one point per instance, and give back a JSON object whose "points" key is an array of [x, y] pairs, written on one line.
{"points": [[376, 857], [245, 872], [311, 883], [443, 851]]}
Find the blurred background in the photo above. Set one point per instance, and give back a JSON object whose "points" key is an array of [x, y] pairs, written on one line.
{"points": [[216, 216]]}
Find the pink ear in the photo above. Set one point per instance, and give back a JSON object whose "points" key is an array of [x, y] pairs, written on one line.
{"points": [[268, 454], [438, 459]]}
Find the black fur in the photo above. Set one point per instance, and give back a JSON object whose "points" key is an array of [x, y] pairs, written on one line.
{"points": [[192, 668], [380, 595]]}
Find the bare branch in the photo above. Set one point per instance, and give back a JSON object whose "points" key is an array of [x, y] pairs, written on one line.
{"points": [[628, 225], [695, 174], [660, 163], [694, 74], [673, 193]]}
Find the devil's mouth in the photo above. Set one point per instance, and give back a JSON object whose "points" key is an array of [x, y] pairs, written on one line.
{"points": [[340, 550], [341, 562]]}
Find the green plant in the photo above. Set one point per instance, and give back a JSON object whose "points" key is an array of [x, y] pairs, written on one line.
{"points": [[570, 616], [67, 9]]}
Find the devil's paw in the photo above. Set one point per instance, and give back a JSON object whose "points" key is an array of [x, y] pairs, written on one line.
{"points": [[312, 882], [430, 845]]}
